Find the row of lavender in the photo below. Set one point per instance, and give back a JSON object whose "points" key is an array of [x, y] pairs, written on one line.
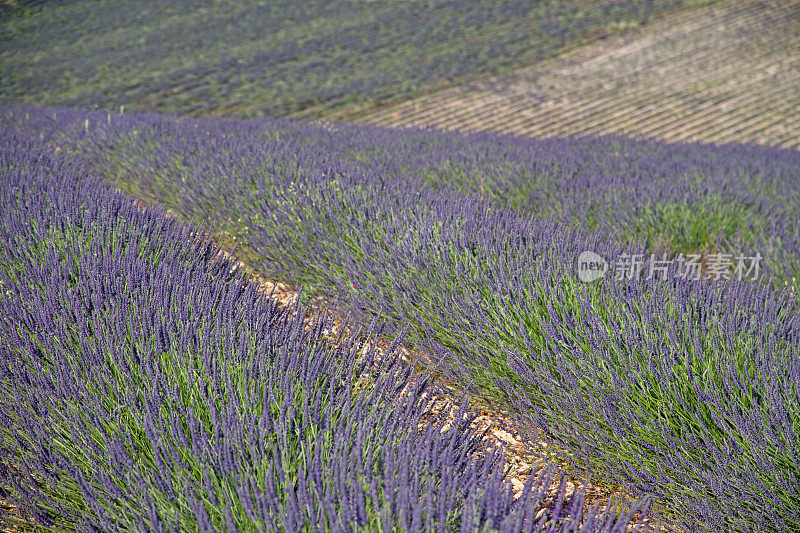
{"points": [[283, 57], [147, 386], [686, 391], [687, 197]]}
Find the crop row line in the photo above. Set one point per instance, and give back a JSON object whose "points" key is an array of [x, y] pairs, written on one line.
{"points": [[736, 98], [552, 70]]}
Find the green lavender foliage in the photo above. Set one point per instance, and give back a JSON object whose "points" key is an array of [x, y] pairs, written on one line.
{"points": [[687, 390], [148, 386], [683, 197]]}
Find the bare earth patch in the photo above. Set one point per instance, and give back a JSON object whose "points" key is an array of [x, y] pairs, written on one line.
{"points": [[725, 72]]}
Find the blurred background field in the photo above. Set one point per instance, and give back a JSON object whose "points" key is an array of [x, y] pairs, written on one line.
{"points": [[283, 58], [727, 72]]}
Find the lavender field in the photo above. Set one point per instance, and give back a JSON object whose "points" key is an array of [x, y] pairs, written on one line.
{"points": [[681, 392], [283, 57], [400, 266], [148, 386]]}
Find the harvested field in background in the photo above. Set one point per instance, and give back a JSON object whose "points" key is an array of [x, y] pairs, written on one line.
{"points": [[722, 73]]}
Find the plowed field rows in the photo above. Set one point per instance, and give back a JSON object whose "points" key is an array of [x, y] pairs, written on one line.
{"points": [[728, 72]]}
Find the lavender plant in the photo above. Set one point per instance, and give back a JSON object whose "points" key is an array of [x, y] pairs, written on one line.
{"points": [[696, 382], [149, 387], [686, 197], [701, 413], [495, 296], [676, 390]]}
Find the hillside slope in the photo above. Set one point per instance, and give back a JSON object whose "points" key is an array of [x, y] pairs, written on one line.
{"points": [[727, 72]]}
